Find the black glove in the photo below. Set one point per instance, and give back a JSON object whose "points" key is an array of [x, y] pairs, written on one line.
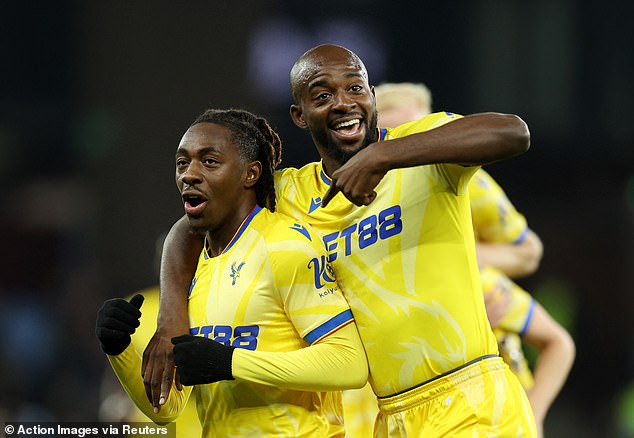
{"points": [[201, 360], [116, 321]]}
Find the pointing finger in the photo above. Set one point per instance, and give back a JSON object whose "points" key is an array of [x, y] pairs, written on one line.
{"points": [[332, 191]]}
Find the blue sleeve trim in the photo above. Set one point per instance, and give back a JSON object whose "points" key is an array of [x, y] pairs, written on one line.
{"points": [[529, 317], [522, 236], [329, 326]]}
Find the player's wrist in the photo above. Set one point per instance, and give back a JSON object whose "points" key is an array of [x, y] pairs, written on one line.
{"points": [[169, 327], [114, 349], [381, 157]]}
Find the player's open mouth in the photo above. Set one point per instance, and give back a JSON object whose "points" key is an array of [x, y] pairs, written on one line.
{"points": [[348, 129], [194, 204]]}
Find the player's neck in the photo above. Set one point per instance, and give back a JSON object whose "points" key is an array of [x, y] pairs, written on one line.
{"points": [[217, 240]]}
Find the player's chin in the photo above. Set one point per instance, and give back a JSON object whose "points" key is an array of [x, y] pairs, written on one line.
{"points": [[349, 150], [197, 225]]}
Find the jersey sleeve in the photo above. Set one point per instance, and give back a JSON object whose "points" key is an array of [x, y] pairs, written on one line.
{"points": [[427, 123], [495, 218], [454, 177], [307, 284], [521, 304], [127, 367], [338, 362]]}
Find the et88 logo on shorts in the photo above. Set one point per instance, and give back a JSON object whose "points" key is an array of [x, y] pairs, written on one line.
{"points": [[368, 231]]}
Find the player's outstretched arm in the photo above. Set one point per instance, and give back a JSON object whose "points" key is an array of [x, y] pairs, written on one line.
{"points": [[336, 362], [514, 259], [556, 356], [471, 140], [178, 265]]}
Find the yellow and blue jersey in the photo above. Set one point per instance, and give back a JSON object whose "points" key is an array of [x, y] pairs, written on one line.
{"points": [[495, 219], [514, 323], [406, 264], [271, 289]]}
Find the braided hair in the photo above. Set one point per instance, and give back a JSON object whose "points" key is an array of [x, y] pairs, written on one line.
{"points": [[256, 140]]}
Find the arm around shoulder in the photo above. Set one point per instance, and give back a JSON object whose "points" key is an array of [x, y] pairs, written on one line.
{"points": [[179, 259], [178, 266], [475, 139]]}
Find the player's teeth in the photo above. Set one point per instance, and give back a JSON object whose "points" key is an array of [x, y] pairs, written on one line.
{"points": [[348, 123]]}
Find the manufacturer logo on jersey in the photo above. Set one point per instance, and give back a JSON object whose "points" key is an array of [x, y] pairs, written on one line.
{"points": [[323, 272], [235, 272], [302, 230], [315, 203]]}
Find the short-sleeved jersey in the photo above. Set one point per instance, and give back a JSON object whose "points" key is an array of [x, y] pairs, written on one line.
{"points": [[271, 289], [406, 264], [514, 323], [495, 219]]}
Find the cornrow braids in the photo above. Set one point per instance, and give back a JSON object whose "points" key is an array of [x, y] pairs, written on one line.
{"points": [[256, 140]]}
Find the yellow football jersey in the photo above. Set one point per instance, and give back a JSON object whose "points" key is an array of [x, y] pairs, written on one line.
{"points": [[406, 264], [271, 289], [513, 324], [495, 219]]}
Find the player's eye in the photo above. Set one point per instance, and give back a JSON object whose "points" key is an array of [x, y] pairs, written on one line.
{"points": [[181, 162]]}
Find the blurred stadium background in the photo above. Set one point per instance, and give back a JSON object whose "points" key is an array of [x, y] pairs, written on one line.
{"points": [[94, 97]]}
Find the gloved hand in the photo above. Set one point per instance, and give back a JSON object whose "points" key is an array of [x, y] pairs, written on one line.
{"points": [[117, 319], [201, 360]]}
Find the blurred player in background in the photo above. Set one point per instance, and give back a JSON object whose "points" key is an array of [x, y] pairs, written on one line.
{"points": [[506, 247], [401, 242], [267, 319]]}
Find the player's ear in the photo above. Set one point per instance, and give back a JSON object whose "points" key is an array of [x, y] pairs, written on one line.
{"points": [[253, 172], [298, 116]]}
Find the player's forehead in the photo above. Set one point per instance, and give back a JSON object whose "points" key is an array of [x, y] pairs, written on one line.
{"points": [[207, 135], [328, 62]]}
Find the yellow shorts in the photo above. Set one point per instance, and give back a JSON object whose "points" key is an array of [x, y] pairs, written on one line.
{"points": [[482, 399]]}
